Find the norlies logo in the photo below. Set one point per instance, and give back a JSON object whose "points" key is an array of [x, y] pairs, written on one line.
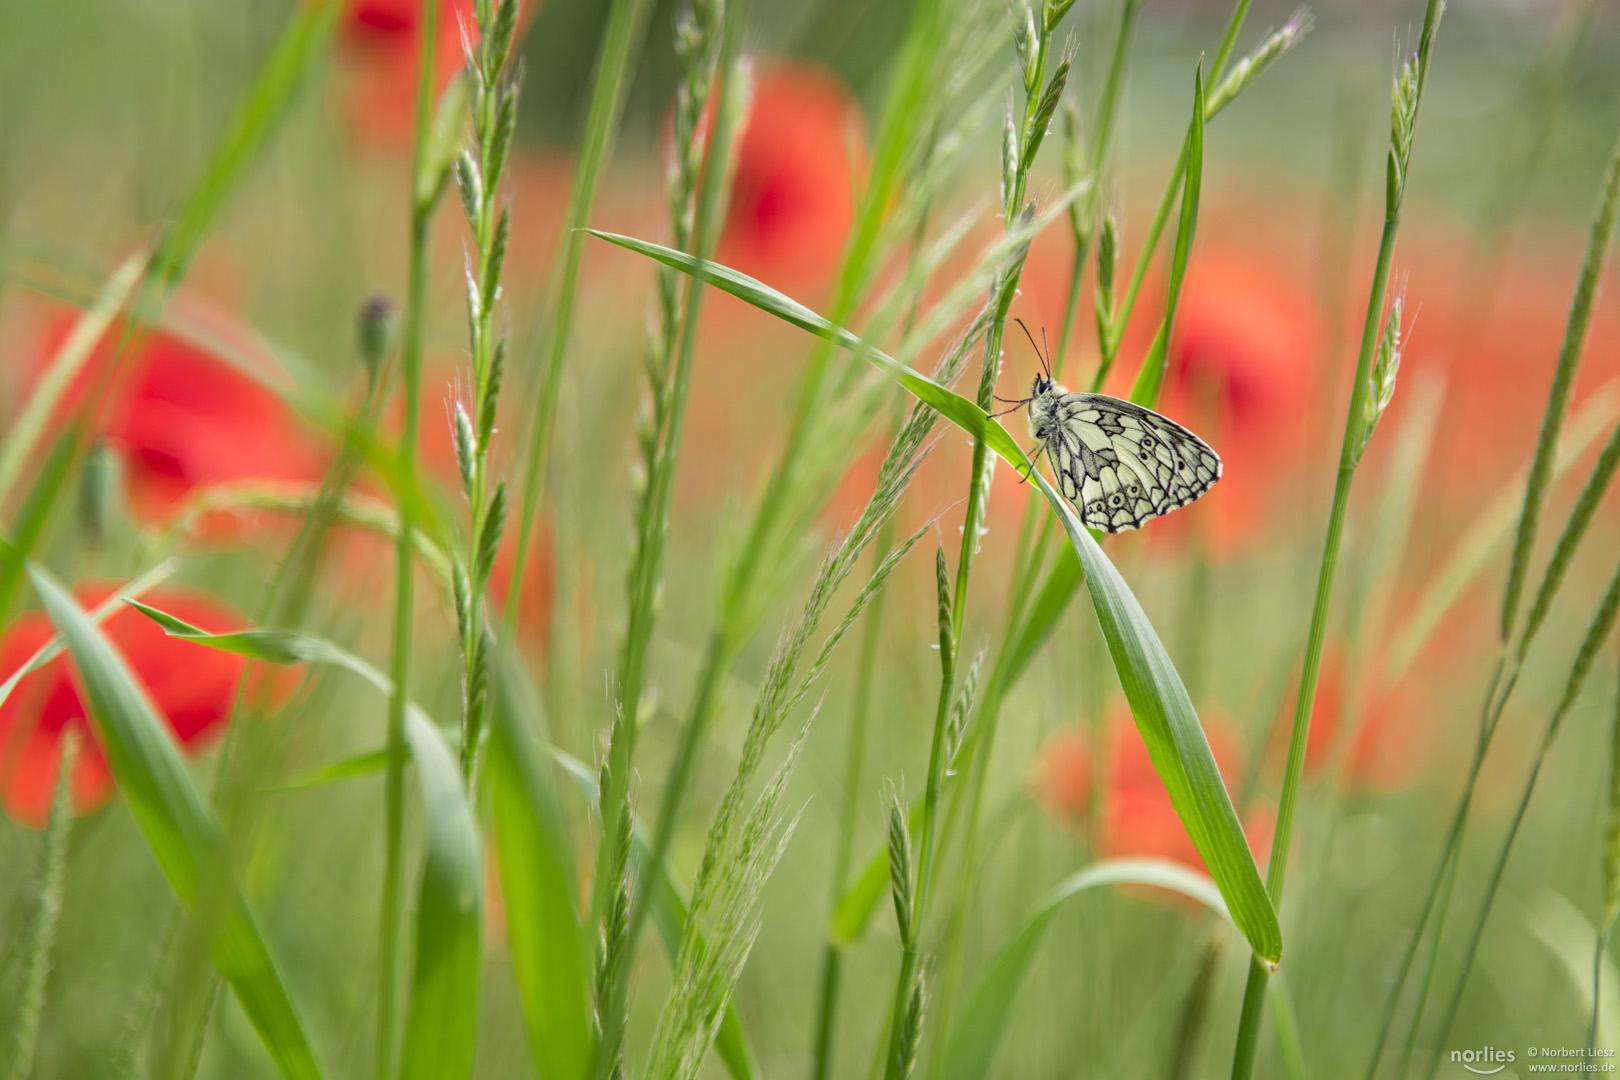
{"points": [[1486, 1061]]}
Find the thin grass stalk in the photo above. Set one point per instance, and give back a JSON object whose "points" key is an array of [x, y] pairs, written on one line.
{"points": [[854, 767], [416, 300], [1029, 560], [826, 1018], [1611, 875], [1227, 87], [726, 637], [41, 933], [1510, 658], [1597, 633], [626, 28], [669, 360], [707, 214], [283, 603], [1552, 424], [478, 173], [1032, 35], [669, 365], [1358, 427]]}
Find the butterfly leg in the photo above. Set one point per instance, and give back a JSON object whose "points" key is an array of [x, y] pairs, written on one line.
{"points": [[1024, 476]]}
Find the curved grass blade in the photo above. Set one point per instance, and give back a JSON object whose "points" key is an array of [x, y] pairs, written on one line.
{"points": [[977, 1034], [65, 364], [442, 1029], [1164, 713], [537, 876], [179, 830], [302, 42], [1145, 391], [53, 648], [366, 764], [32, 517], [668, 910]]}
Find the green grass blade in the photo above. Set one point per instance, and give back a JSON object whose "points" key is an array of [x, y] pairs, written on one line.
{"points": [[32, 518], [626, 28], [1569, 360], [64, 366], [367, 764], [1597, 484], [1286, 1024], [180, 832], [1488, 532], [1151, 376], [668, 911], [537, 878], [301, 45], [441, 1026], [53, 648], [975, 1037], [1158, 699]]}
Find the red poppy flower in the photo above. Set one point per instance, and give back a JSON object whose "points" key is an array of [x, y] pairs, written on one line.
{"points": [[191, 686], [1135, 816], [381, 40], [798, 161], [1241, 371], [185, 417]]}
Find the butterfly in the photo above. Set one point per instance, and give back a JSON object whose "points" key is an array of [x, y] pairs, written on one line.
{"points": [[1121, 465]]}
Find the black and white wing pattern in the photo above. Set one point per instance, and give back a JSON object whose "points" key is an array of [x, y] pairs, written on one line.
{"points": [[1123, 465]]}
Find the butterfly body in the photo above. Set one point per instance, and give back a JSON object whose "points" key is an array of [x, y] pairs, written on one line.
{"points": [[1120, 464]]}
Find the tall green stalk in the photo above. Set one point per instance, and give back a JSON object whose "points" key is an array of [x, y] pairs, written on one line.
{"points": [[1032, 35], [1512, 654], [697, 201], [423, 199], [1367, 394], [626, 28], [735, 619], [478, 172], [41, 933]]}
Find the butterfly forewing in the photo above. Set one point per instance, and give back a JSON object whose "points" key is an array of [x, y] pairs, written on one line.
{"points": [[1123, 465]]}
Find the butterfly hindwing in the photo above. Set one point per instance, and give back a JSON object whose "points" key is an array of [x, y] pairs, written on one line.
{"points": [[1122, 465]]}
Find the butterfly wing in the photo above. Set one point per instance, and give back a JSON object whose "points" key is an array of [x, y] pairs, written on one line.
{"points": [[1123, 465]]}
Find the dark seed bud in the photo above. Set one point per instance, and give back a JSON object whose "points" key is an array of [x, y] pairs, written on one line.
{"points": [[377, 318]]}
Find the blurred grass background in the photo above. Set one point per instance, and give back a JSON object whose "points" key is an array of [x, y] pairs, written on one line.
{"points": [[109, 107]]}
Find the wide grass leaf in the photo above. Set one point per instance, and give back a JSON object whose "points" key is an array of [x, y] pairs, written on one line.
{"points": [[441, 1031], [178, 828], [1158, 699], [537, 877], [978, 1032], [441, 1034]]}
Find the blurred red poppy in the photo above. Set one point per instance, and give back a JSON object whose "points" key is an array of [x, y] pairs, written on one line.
{"points": [[799, 159], [1241, 370], [1134, 814], [1386, 748], [192, 688], [381, 40], [184, 417]]}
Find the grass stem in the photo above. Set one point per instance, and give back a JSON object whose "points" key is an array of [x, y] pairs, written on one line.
{"points": [[404, 559], [1357, 428]]}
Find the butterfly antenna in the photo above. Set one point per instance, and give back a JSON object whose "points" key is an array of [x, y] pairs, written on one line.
{"points": [[1048, 349], [1044, 366]]}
